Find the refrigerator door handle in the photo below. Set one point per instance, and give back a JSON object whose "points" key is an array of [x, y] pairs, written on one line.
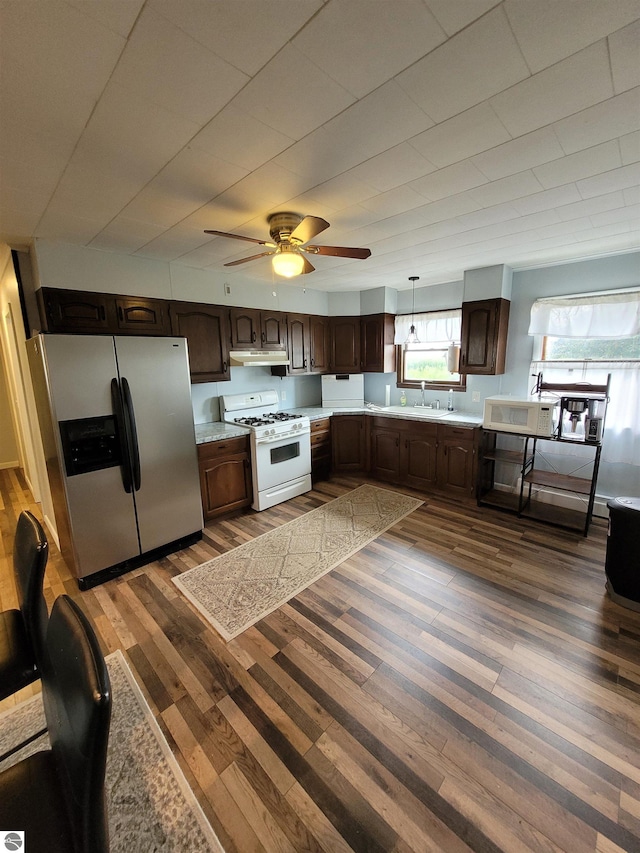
{"points": [[125, 465], [132, 433]]}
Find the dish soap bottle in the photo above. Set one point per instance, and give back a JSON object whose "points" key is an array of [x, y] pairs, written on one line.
{"points": [[450, 402], [403, 399]]}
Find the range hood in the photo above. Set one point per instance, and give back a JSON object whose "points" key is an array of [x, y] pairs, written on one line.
{"points": [[258, 358]]}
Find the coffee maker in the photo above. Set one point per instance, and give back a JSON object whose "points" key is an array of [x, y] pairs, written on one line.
{"points": [[582, 418]]}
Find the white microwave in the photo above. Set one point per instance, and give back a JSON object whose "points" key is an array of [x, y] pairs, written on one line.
{"points": [[515, 414]]}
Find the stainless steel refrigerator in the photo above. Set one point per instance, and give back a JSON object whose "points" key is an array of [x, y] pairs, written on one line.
{"points": [[117, 426]]}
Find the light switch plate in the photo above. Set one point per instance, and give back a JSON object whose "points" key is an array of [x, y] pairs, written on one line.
{"points": [[475, 396]]}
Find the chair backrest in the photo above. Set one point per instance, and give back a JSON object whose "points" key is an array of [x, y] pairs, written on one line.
{"points": [[30, 554], [77, 703]]}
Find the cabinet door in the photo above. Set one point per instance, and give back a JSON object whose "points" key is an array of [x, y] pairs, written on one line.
{"points": [[273, 330], [320, 449], [345, 345], [418, 457], [456, 460], [378, 350], [385, 453], [298, 343], [245, 328], [484, 336], [348, 442], [319, 348], [142, 316], [225, 476], [76, 311], [206, 328]]}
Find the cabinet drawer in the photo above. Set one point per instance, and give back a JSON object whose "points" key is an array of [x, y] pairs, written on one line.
{"points": [[320, 438], [321, 425], [212, 449]]}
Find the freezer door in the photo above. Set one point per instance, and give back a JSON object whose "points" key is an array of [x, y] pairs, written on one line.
{"points": [[168, 502], [94, 506]]}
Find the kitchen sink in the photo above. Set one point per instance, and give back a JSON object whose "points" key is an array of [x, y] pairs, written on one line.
{"points": [[416, 412]]}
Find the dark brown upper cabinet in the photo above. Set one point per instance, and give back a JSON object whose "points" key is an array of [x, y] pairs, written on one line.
{"points": [[484, 336], [206, 328], [378, 351], [298, 337], [345, 345], [319, 344], [75, 311], [254, 329], [142, 316]]}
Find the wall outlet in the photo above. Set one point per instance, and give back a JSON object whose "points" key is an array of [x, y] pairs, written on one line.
{"points": [[283, 396], [475, 397], [227, 288]]}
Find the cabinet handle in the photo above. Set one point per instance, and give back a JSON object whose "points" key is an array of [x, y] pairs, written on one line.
{"points": [[464, 359], [313, 362], [304, 363], [262, 337], [397, 442], [253, 337], [224, 366], [102, 315], [120, 313]]}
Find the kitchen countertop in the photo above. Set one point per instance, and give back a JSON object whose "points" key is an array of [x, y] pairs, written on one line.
{"points": [[218, 430]]}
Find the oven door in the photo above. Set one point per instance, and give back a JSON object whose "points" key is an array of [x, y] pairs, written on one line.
{"points": [[277, 460]]}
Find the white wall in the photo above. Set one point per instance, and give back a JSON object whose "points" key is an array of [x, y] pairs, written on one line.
{"points": [[8, 443]]}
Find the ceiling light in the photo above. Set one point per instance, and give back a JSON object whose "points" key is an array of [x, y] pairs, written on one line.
{"points": [[287, 262], [412, 337]]}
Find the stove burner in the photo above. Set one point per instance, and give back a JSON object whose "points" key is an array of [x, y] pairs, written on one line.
{"points": [[283, 416], [263, 421]]}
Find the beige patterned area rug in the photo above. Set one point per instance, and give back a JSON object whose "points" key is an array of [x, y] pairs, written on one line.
{"points": [[150, 805], [238, 588]]}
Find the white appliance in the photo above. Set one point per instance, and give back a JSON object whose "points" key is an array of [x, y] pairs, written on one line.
{"points": [[280, 446], [520, 415], [117, 426], [343, 391]]}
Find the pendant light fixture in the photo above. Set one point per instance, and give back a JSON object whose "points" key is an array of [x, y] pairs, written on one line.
{"points": [[412, 337]]}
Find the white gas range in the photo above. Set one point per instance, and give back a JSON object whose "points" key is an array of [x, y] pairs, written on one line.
{"points": [[280, 446]]}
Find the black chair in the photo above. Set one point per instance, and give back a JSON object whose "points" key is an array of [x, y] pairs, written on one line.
{"points": [[22, 631], [57, 796]]}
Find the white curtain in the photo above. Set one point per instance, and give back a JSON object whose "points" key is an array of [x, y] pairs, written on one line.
{"points": [[431, 327], [614, 315]]}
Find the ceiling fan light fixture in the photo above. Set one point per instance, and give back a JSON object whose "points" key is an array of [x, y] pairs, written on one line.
{"points": [[287, 262]]}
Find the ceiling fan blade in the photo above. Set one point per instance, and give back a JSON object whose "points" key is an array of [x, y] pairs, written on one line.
{"points": [[339, 251], [240, 237], [309, 228], [308, 267], [250, 258]]}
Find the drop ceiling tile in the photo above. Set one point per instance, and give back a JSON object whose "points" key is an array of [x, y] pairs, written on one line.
{"points": [[265, 97], [196, 176], [362, 45], [631, 195], [446, 208], [616, 117], [519, 154], [265, 187], [626, 176], [131, 137], [172, 244], [582, 164], [471, 132], [548, 200], [395, 201], [597, 204], [340, 192], [238, 138], [55, 64], [127, 233], [100, 196], [568, 87], [246, 34], [455, 16], [396, 166], [624, 47], [548, 31], [630, 147], [116, 15], [506, 189], [195, 83], [464, 71], [449, 181], [630, 214], [157, 207], [68, 227], [488, 216]]}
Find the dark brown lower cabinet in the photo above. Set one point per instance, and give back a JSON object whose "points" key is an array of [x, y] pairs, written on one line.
{"points": [[320, 449], [423, 456], [348, 443], [225, 476], [457, 455]]}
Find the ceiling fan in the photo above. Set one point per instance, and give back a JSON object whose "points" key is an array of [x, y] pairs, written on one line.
{"points": [[291, 234]]}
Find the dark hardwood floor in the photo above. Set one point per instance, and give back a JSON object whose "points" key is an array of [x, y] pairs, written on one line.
{"points": [[462, 683]]}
